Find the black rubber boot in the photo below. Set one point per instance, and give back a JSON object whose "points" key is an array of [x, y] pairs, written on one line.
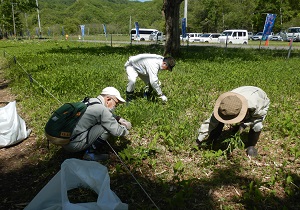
{"points": [[148, 92], [252, 140], [129, 96]]}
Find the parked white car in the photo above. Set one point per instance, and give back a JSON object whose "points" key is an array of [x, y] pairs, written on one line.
{"points": [[234, 36], [157, 35], [194, 37], [210, 38], [191, 37]]}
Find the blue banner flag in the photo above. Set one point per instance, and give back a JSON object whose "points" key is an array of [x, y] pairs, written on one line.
{"points": [[183, 26], [82, 30], [137, 29], [62, 31], [269, 23], [104, 29]]}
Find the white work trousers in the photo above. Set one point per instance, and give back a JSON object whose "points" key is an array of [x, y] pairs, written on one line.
{"points": [[132, 75]]}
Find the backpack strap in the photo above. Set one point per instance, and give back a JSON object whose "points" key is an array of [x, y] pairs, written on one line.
{"points": [[92, 103]]}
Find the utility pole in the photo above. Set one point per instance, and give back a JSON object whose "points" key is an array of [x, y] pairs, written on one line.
{"points": [[280, 16], [27, 31], [39, 21], [185, 11], [13, 13], [2, 29]]}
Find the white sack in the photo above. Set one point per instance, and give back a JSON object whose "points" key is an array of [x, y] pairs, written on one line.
{"points": [[12, 126], [76, 173]]}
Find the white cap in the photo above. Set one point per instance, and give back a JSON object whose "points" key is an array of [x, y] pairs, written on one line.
{"points": [[113, 92]]}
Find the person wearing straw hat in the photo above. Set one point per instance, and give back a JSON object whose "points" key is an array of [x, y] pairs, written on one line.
{"points": [[241, 107], [147, 66], [97, 124]]}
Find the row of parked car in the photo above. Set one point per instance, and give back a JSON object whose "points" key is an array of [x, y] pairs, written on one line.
{"points": [[272, 37], [234, 36], [199, 37]]}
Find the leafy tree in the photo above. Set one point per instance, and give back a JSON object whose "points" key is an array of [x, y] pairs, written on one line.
{"points": [[11, 12]]}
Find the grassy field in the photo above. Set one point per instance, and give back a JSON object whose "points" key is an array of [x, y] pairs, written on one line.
{"points": [[160, 149]]}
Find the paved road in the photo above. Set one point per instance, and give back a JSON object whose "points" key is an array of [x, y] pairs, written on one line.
{"points": [[284, 46]]}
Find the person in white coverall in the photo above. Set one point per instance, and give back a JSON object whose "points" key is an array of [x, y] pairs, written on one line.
{"points": [[241, 107], [147, 66]]}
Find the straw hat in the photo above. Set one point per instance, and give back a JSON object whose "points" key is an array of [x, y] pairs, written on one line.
{"points": [[230, 108]]}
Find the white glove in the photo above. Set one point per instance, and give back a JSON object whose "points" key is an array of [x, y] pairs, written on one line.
{"points": [[242, 128], [126, 123], [163, 98]]}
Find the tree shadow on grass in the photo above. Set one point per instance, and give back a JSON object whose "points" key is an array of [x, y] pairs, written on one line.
{"points": [[192, 53], [198, 193], [177, 193]]}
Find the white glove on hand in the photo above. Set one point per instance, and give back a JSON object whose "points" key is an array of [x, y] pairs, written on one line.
{"points": [[163, 98], [126, 123], [241, 128]]}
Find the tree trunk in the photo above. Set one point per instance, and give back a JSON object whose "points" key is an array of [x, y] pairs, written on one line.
{"points": [[171, 12]]}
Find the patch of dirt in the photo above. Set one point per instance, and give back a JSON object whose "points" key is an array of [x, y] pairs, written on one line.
{"points": [[8, 158], [15, 162]]}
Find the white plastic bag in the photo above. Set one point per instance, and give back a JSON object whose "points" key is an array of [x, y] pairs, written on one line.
{"points": [[12, 126], [75, 173]]}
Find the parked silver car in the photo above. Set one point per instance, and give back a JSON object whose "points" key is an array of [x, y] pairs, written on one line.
{"points": [[277, 37], [257, 36]]}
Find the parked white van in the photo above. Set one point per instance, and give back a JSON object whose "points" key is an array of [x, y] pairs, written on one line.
{"points": [[191, 37], [293, 33], [234, 36]]}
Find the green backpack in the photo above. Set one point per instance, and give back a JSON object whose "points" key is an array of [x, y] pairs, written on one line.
{"points": [[62, 122]]}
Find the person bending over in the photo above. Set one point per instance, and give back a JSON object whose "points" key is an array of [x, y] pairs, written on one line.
{"points": [[241, 107], [146, 67]]}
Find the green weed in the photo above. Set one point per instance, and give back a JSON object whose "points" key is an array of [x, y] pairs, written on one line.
{"points": [[161, 140]]}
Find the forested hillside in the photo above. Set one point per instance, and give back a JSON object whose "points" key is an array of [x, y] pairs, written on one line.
{"points": [[120, 15], [116, 14]]}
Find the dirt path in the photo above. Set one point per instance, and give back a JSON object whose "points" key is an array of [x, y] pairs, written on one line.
{"points": [[14, 161]]}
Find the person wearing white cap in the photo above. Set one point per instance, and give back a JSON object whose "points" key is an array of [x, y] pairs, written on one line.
{"points": [[97, 124], [147, 66], [243, 106]]}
